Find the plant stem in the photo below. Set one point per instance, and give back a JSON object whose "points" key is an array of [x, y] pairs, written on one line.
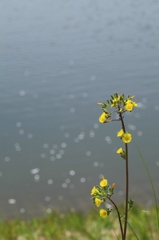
{"points": [[121, 227], [127, 179], [127, 191]]}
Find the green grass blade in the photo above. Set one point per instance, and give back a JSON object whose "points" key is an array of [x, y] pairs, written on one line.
{"points": [[133, 231], [150, 179]]}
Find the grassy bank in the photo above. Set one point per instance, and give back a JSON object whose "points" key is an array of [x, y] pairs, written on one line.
{"points": [[78, 226]]}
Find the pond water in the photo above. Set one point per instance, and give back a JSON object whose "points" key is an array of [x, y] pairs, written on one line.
{"points": [[58, 59]]}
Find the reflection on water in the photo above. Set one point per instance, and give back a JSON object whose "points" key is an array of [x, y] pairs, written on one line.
{"points": [[58, 59]]}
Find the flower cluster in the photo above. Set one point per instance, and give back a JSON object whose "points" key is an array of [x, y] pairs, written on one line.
{"points": [[125, 136], [120, 103], [100, 194]]}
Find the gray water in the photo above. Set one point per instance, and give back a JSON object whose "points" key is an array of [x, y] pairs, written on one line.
{"points": [[58, 59]]}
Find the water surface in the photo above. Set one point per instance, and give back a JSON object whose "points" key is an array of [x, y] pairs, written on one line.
{"points": [[58, 59]]}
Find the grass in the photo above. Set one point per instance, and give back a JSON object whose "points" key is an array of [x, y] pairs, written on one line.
{"points": [[79, 226]]}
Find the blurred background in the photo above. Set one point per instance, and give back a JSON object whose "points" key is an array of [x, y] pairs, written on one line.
{"points": [[58, 59]]}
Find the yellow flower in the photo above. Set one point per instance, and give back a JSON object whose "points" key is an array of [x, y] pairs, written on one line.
{"points": [[98, 202], [94, 191], [126, 137], [129, 106], [102, 117], [104, 182], [103, 213], [119, 151], [120, 133]]}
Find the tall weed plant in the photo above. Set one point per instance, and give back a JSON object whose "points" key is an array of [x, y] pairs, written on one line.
{"points": [[118, 104]]}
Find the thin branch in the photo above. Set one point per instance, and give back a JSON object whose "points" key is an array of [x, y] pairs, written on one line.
{"points": [[127, 178], [121, 227]]}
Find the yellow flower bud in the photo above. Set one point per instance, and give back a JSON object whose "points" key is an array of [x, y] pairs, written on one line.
{"points": [[113, 185], [99, 103]]}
